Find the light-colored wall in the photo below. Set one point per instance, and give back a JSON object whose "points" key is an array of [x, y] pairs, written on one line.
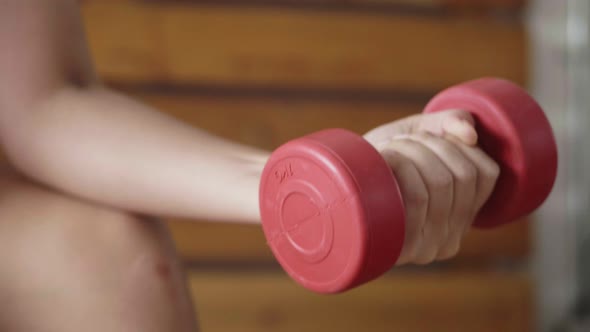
{"points": [[560, 80]]}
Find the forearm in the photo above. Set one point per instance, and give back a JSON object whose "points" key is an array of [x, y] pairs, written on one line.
{"points": [[105, 147]]}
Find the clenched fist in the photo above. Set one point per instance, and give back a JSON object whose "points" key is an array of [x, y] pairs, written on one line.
{"points": [[443, 176]]}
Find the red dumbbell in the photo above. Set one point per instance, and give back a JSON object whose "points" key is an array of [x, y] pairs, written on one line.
{"points": [[331, 208]]}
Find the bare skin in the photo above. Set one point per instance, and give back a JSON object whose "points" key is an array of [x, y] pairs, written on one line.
{"points": [[99, 159], [72, 265]]}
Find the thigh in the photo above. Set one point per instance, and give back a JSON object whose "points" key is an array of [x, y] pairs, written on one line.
{"points": [[70, 265]]}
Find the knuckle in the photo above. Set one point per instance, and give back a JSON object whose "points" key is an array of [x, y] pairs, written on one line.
{"points": [[442, 181], [422, 136], [449, 251], [406, 256], [417, 198], [492, 171], [466, 173], [401, 162], [426, 258], [463, 114]]}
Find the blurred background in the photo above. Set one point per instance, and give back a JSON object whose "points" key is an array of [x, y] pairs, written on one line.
{"points": [[262, 72]]}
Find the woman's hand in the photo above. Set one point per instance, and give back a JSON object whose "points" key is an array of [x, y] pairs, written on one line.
{"points": [[443, 176]]}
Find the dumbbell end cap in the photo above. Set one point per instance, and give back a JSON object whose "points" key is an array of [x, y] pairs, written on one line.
{"points": [[315, 214]]}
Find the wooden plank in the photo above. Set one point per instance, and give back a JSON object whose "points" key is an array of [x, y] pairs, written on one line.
{"points": [[429, 4], [268, 122], [440, 301], [484, 4], [174, 43]]}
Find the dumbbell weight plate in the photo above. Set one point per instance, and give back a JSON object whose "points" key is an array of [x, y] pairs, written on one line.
{"points": [[515, 132], [332, 211]]}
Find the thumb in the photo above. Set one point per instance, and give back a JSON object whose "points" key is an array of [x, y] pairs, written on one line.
{"points": [[456, 123]]}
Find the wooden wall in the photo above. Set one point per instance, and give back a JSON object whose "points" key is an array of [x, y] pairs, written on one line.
{"points": [[263, 72]]}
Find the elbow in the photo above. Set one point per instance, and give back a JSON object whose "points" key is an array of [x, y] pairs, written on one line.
{"points": [[27, 126], [18, 136]]}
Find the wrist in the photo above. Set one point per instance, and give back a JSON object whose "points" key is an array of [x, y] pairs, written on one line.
{"points": [[252, 166]]}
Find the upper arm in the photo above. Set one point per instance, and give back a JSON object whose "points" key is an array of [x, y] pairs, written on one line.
{"points": [[42, 48]]}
